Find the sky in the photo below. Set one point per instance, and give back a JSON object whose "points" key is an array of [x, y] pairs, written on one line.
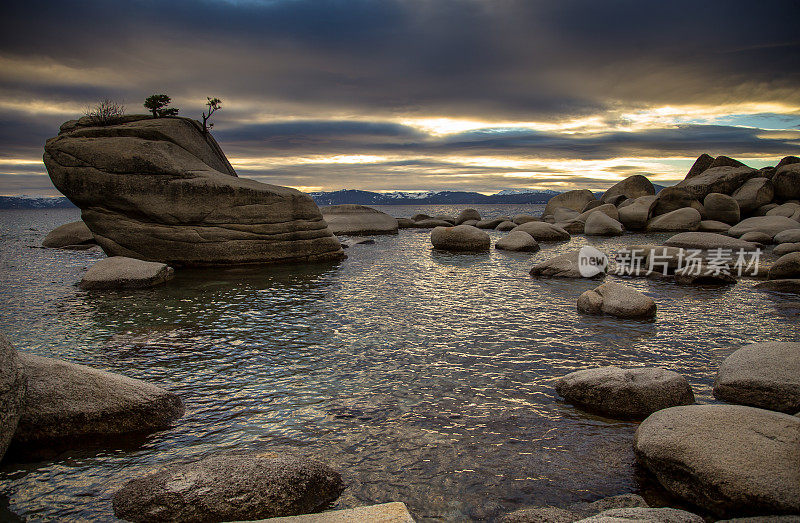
{"points": [[416, 95]]}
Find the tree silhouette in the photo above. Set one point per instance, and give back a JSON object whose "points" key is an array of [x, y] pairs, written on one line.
{"points": [[213, 105], [157, 104]]}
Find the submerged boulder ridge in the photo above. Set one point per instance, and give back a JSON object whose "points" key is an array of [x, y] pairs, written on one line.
{"points": [[161, 189]]}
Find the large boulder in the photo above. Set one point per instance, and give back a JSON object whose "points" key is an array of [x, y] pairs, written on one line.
{"points": [[673, 198], [754, 193], [358, 220], [765, 375], [430, 223], [617, 300], [543, 232], [721, 207], [771, 225], [702, 163], [517, 241], [519, 219], [230, 488], [12, 392], [705, 274], [70, 403], [786, 248], [725, 161], [633, 393], [728, 459], [564, 214], [562, 266], [608, 209], [468, 214], [505, 226], [119, 272], [709, 240], [786, 267], [723, 180], [74, 235], [714, 226], [787, 182], [600, 224], [631, 187], [643, 515], [489, 223], [686, 219], [634, 216], [160, 189], [575, 200], [788, 236], [461, 238]]}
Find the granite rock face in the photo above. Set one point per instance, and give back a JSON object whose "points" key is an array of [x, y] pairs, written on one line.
{"points": [[12, 391], [358, 220], [575, 200], [74, 235], [230, 488], [723, 179], [162, 190], [631, 187], [754, 193], [119, 272]]}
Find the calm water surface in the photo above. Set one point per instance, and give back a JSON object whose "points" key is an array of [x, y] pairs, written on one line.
{"points": [[425, 377]]}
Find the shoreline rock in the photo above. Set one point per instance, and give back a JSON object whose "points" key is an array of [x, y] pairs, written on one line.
{"points": [[461, 238], [358, 220], [13, 384], [119, 272], [618, 300]]}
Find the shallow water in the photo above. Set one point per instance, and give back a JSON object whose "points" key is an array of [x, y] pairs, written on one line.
{"points": [[425, 377]]}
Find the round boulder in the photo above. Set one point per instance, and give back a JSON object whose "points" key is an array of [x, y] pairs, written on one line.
{"points": [[721, 207], [405, 223], [771, 225], [358, 220], [671, 199], [754, 193], [765, 375], [517, 241], [788, 236], [544, 232], [468, 214], [506, 226], [119, 272], [714, 226], [788, 209], [563, 214], [686, 219], [519, 219], [230, 488], [617, 300], [12, 392], [461, 238], [786, 248], [625, 393], [631, 187], [723, 179], [490, 223], [562, 266], [786, 267], [709, 240], [600, 224], [760, 238], [728, 459], [635, 215], [575, 200], [74, 235], [430, 223], [787, 182]]}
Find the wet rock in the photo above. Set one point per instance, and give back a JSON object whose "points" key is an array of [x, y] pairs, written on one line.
{"points": [[448, 219], [709, 240], [544, 232], [786, 267], [788, 236], [70, 235], [519, 219], [350, 219], [714, 226], [562, 266], [754, 193], [506, 226], [634, 216], [517, 241], [728, 459], [575, 200], [69, 403], [119, 272], [12, 392], [617, 300], [787, 182], [599, 224], [788, 285], [230, 488], [468, 214], [686, 219], [702, 163], [771, 225], [625, 393], [759, 238], [765, 375], [620, 501], [704, 275], [489, 223], [420, 217], [786, 248], [631, 187], [160, 189], [430, 223], [724, 180], [405, 223], [461, 238], [644, 515], [673, 198], [572, 226], [721, 207]]}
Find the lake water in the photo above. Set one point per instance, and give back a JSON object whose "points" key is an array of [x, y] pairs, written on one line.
{"points": [[425, 377]]}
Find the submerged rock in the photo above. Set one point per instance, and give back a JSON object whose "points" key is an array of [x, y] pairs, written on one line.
{"points": [[562, 266], [625, 393], [506, 225], [704, 275], [461, 238], [74, 235], [468, 214], [787, 285], [12, 392], [160, 189], [119, 272], [358, 220], [66, 402], [765, 375], [728, 459], [540, 515], [517, 241], [617, 300], [543, 232], [230, 488]]}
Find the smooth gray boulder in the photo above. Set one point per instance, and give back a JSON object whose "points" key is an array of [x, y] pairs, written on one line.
{"points": [[506, 226], [788, 209], [673, 198], [608, 209], [430, 223], [461, 238], [786, 267], [405, 223], [787, 182], [543, 232], [644, 515], [562, 266], [575, 200], [724, 180], [468, 222], [572, 226], [519, 219], [721, 207], [119, 272], [618, 300], [686, 219], [564, 214], [467, 214], [634, 216], [600, 224], [728, 459], [760, 238], [786, 248], [419, 217], [709, 240], [70, 403], [230, 488], [160, 189], [358, 220], [765, 375], [619, 393], [764, 209], [444, 218], [74, 235], [771, 225], [489, 223], [714, 226], [705, 275], [631, 187], [540, 515], [788, 236], [517, 241], [754, 193], [12, 391], [787, 285]]}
